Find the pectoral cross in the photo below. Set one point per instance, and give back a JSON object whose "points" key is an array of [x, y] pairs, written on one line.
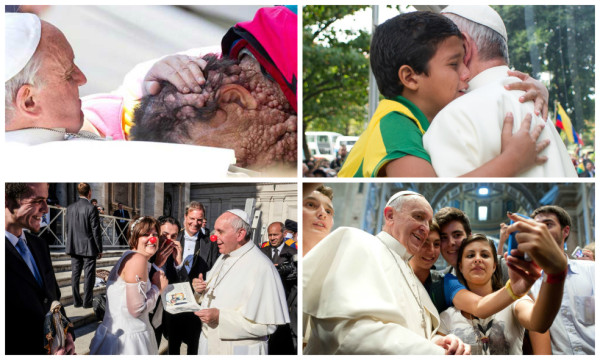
{"points": [[211, 296]]}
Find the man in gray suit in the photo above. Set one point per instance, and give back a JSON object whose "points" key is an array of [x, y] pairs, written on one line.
{"points": [[84, 244]]}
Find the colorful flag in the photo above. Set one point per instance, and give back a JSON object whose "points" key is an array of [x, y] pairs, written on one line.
{"points": [[564, 123], [580, 139]]}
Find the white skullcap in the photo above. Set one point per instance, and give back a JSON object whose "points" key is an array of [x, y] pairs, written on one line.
{"points": [[241, 214], [401, 193], [480, 14], [22, 35]]}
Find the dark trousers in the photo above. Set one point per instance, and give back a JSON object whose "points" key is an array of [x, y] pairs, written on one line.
{"points": [[88, 264], [184, 327]]}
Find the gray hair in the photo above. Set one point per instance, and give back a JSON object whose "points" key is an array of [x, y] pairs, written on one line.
{"points": [[238, 223], [401, 198], [491, 45], [28, 75]]}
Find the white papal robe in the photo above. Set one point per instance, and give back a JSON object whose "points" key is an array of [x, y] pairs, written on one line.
{"points": [[467, 132], [361, 297], [251, 302]]}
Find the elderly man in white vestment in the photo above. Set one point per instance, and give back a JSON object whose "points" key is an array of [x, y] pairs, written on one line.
{"points": [[242, 298], [41, 82], [362, 297], [467, 132]]}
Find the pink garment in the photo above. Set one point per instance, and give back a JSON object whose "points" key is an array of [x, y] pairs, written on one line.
{"points": [[104, 111], [273, 40]]}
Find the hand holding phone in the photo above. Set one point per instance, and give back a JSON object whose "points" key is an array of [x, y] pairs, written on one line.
{"points": [[512, 240]]}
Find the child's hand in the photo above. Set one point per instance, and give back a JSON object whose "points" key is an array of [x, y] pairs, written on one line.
{"points": [[534, 91], [184, 72], [522, 146]]}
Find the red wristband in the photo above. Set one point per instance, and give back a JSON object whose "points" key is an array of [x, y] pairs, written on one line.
{"points": [[556, 278]]}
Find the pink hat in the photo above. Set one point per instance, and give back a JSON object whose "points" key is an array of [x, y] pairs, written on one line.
{"points": [[272, 37]]}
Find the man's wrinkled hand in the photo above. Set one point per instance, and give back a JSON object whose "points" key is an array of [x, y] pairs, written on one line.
{"points": [[453, 345], [209, 316], [184, 72], [199, 284]]}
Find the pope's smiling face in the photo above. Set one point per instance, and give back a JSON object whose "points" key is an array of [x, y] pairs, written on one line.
{"points": [[410, 224]]}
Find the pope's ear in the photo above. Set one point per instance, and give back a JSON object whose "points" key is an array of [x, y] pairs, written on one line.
{"points": [[388, 213], [234, 93], [408, 77], [25, 101]]}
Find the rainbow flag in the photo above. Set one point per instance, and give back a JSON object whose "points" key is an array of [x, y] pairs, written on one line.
{"points": [[564, 123]]}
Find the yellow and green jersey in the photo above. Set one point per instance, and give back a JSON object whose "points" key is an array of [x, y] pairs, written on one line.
{"points": [[396, 130]]}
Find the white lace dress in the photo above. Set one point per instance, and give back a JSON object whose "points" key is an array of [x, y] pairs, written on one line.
{"points": [[126, 328]]}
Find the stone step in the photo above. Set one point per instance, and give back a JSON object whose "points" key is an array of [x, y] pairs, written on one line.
{"points": [[84, 335], [80, 316], [63, 278], [60, 254], [67, 293], [65, 265]]}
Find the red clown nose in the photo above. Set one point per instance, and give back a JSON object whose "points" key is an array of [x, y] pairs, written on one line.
{"points": [[153, 240], [213, 238]]}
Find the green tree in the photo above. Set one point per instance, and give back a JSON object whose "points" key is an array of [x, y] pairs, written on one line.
{"points": [[558, 40], [335, 72]]}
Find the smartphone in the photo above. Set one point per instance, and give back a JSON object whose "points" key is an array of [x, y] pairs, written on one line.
{"points": [[512, 240]]}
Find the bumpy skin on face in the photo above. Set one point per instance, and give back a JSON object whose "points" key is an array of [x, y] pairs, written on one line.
{"points": [[260, 125]]}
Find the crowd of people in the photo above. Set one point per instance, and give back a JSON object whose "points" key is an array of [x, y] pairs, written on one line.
{"points": [[381, 294], [243, 297]]}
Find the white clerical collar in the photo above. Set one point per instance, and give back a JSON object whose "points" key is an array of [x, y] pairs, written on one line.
{"points": [[242, 250], [394, 245], [13, 238], [36, 136], [488, 76]]}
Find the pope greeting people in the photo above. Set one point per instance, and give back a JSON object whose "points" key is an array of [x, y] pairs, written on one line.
{"points": [[242, 298], [362, 297]]}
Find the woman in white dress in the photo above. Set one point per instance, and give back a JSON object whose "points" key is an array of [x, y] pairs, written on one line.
{"points": [[126, 329], [501, 333]]}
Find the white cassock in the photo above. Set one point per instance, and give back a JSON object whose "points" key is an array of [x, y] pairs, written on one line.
{"points": [[361, 297], [467, 132], [251, 302]]}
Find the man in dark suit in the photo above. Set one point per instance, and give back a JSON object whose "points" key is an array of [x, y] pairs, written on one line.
{"points": [[121, 224], [84, 244], [277, 250], [29, 277], [196, 256], [281, 341]]}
